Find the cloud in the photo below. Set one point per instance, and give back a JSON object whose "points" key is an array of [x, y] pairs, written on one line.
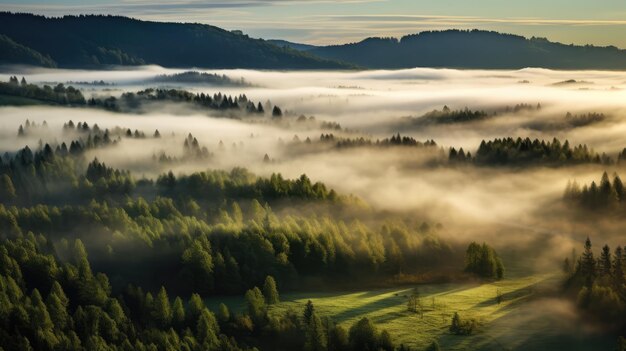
{"points": [[470, 20], [140, 7]]}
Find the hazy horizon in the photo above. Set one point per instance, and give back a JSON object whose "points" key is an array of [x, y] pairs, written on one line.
{"points": [[339, 22]]}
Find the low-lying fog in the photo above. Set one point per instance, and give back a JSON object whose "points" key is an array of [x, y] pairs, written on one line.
{"points": [[372, 104]]}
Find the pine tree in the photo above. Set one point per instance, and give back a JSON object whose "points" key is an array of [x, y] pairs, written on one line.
{"points": [[315, 335], [386, 342], [605, 261], [618, 266], [270, 291], [455, 326], [619, 187], [207, 330], [309, 311], [223, 314], [434, 346], [363, 335], [338, 338], [161, 310], [277, 112], [194, 308], [588, 263], [57, 304], [7, 190], [255, 302], [178, 313]]}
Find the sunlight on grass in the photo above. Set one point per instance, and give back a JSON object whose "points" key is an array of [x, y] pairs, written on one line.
{"points": [[388, 307]]}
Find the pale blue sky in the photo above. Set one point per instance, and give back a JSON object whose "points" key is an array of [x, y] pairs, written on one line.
{"points": [[600, 22]]}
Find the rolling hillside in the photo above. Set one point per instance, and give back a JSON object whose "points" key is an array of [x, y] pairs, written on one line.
{"points": [[472, 49], [92, 41]]}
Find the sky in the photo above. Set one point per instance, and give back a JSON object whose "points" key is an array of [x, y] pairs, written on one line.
{"points": [[599, 22]]}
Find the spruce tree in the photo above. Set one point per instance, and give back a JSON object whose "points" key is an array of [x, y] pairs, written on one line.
{"points": [[309, 311], [605, 261], [178, 313], [162, 311], [588, 264], [270, 292]]}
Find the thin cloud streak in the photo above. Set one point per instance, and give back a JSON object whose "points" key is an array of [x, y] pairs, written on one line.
{"points": [[472, 20]]}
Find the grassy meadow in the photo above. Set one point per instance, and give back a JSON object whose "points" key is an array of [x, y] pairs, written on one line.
{"points": [[525, 306]]}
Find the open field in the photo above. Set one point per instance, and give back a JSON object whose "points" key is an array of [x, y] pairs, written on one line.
{"points": [[525, 319]]}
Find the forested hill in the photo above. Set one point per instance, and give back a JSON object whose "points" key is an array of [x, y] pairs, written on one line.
{"points": [[92, 41], [472, 49], [95, 40]]}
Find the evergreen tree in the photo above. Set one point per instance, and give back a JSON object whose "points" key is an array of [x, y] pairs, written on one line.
{"points": [[606, 266], [223, 314], [316, 339], [270, 291], [364, 336], [162, 311], [277, 112], [57, 304], [386, 342], [178, 313], [455, 326], [434, 346], [618, 266], [588, 263], [195, 306], [338, 339], [619, 188], [255, 302], [207, 330], [309, 311], [7, 190]]}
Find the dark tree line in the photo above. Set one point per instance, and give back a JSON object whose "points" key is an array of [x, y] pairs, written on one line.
{"points": [[59, 94], [584, 119], [195, 77], [135, 101], [598, 283], [394, 140], [132, 101], [524, 152], [448, 116], [522, 107], [483, 261], [570, 121], [596, 196]]}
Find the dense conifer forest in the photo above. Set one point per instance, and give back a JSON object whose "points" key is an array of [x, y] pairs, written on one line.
{"points": [[70, 228]]}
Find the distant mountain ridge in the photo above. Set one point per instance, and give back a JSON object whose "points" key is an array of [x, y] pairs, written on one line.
{"points": [[292, 45], [12, 52], [472, 49], [94, 40]]}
